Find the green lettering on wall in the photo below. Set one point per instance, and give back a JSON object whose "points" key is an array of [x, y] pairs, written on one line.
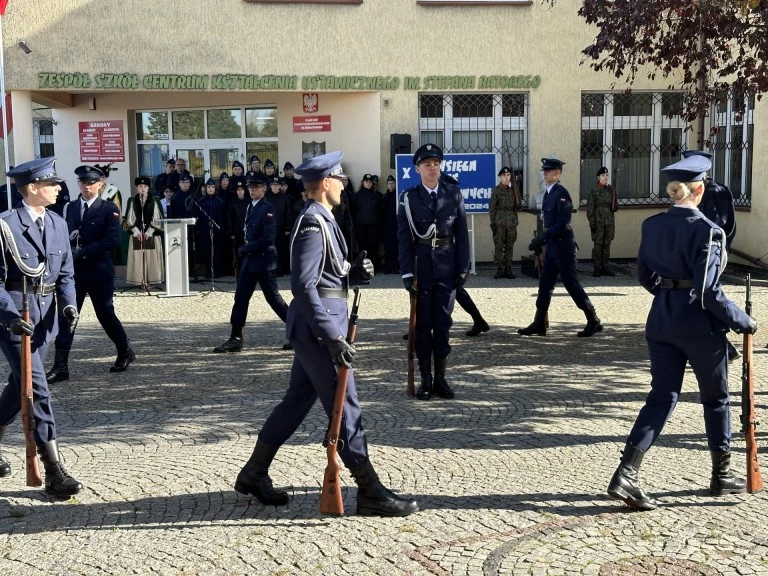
{"points": [[254, 82]]}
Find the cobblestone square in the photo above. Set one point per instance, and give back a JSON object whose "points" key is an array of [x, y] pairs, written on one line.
{"points": [[510, 476]]}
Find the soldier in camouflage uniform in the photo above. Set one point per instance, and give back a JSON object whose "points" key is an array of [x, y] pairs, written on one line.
{"points": [[600, 209], [505, 202]]}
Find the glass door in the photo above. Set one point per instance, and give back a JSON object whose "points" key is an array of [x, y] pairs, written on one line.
{"points": [[194, 156], [221, 156]]}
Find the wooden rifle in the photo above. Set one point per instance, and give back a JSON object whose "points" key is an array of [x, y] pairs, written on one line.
{"points": [[748, 421], [330, 498], [27, 416], [410, 391]]}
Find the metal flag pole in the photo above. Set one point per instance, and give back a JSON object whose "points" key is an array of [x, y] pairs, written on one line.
{"points": [[5, 111]]}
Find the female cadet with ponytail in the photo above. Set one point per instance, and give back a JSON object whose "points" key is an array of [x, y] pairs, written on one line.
{"points": [[680, 260]]}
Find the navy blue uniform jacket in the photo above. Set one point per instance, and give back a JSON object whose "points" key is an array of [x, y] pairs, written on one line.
{"points": [[682, 244], [58, 270], [444, 262], [556, 209], [99, 235], [259, 254]]}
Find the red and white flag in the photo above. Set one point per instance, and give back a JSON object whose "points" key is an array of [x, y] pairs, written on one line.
{"points": [[3, 6]]}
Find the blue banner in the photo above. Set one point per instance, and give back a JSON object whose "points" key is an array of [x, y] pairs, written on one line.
{"points": [[476, 174]]}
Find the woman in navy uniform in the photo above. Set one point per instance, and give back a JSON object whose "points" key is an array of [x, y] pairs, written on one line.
{"points": [[317, 325], [559, 254], [432, 225], [258, 263], [94, 231], [31, 237], [209, 211], [680, 261]]}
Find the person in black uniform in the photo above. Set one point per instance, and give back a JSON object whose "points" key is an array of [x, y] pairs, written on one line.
{"points": [[389, 227], [432, 225], [559, 254], [94, 231], [209, 211], [235, 220], [295, 186], [238, 175], [717, 204], [317, 326], [259, 262], [283, 207], [366, 218], [254, 167], [35, 246], [270, 169], [680, 260], [161, 180], [174, 178]]}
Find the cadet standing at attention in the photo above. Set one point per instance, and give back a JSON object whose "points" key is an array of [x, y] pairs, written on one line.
{"points": [[432, 225], [602, 225], [680, 260], [33, 237], [559, 254], [317, 326], [505, 202]]}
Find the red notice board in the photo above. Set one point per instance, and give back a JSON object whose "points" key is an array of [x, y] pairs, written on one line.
{"points": [[102, 141], [311, 123]]}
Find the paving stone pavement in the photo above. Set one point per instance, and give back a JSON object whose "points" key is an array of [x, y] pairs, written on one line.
{"points": [[510, 476]]}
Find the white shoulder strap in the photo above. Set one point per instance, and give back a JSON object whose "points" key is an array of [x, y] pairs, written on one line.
{"points": [[431, 231]]}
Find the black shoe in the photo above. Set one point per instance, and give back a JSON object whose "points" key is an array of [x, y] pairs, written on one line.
{"points": [[625, 483], [723, 481], [608, 272], [424, 391], [440, 385], [254, 480], [405, 336], [5, 466], [57, 374], [287, 345], [234, 344], [58, 482], [124, 358], [596, 273], [499, 273], [538, 327], [508, 273], [478, 328], [374, 499]]}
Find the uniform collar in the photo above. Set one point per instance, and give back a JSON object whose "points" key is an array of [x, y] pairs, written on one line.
{"points": [[328, 213], [31, 211]]}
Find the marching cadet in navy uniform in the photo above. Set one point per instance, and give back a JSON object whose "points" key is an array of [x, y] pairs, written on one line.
{"points": [[34, 244], [559, 254], [317, 326], [680, 260], [94, 231], [432, 225], [258, 265], [717, 205]]}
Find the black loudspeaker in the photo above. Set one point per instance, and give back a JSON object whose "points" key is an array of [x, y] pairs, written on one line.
{"points": [[398, 144]]}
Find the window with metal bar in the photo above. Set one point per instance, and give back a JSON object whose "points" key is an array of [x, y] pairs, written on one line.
{"points": [[473, 123]]}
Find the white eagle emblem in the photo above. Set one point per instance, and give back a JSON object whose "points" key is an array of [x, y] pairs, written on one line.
{"points": [[310, 102]]}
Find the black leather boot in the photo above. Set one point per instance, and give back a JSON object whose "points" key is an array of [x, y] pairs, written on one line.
{"points": [[607, 271], [538, 327], [499, 273], [441, 387], [625, 484], [478, 327], [254, 480], [723, 481], [508, 273], [60, 369], [597, 272], [124, 358], [5, 466], [58, 482], [593, 324], [373, 499], [425, 388]]}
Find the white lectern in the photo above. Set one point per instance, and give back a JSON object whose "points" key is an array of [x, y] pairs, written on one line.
{"points": [[176, 258]]}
